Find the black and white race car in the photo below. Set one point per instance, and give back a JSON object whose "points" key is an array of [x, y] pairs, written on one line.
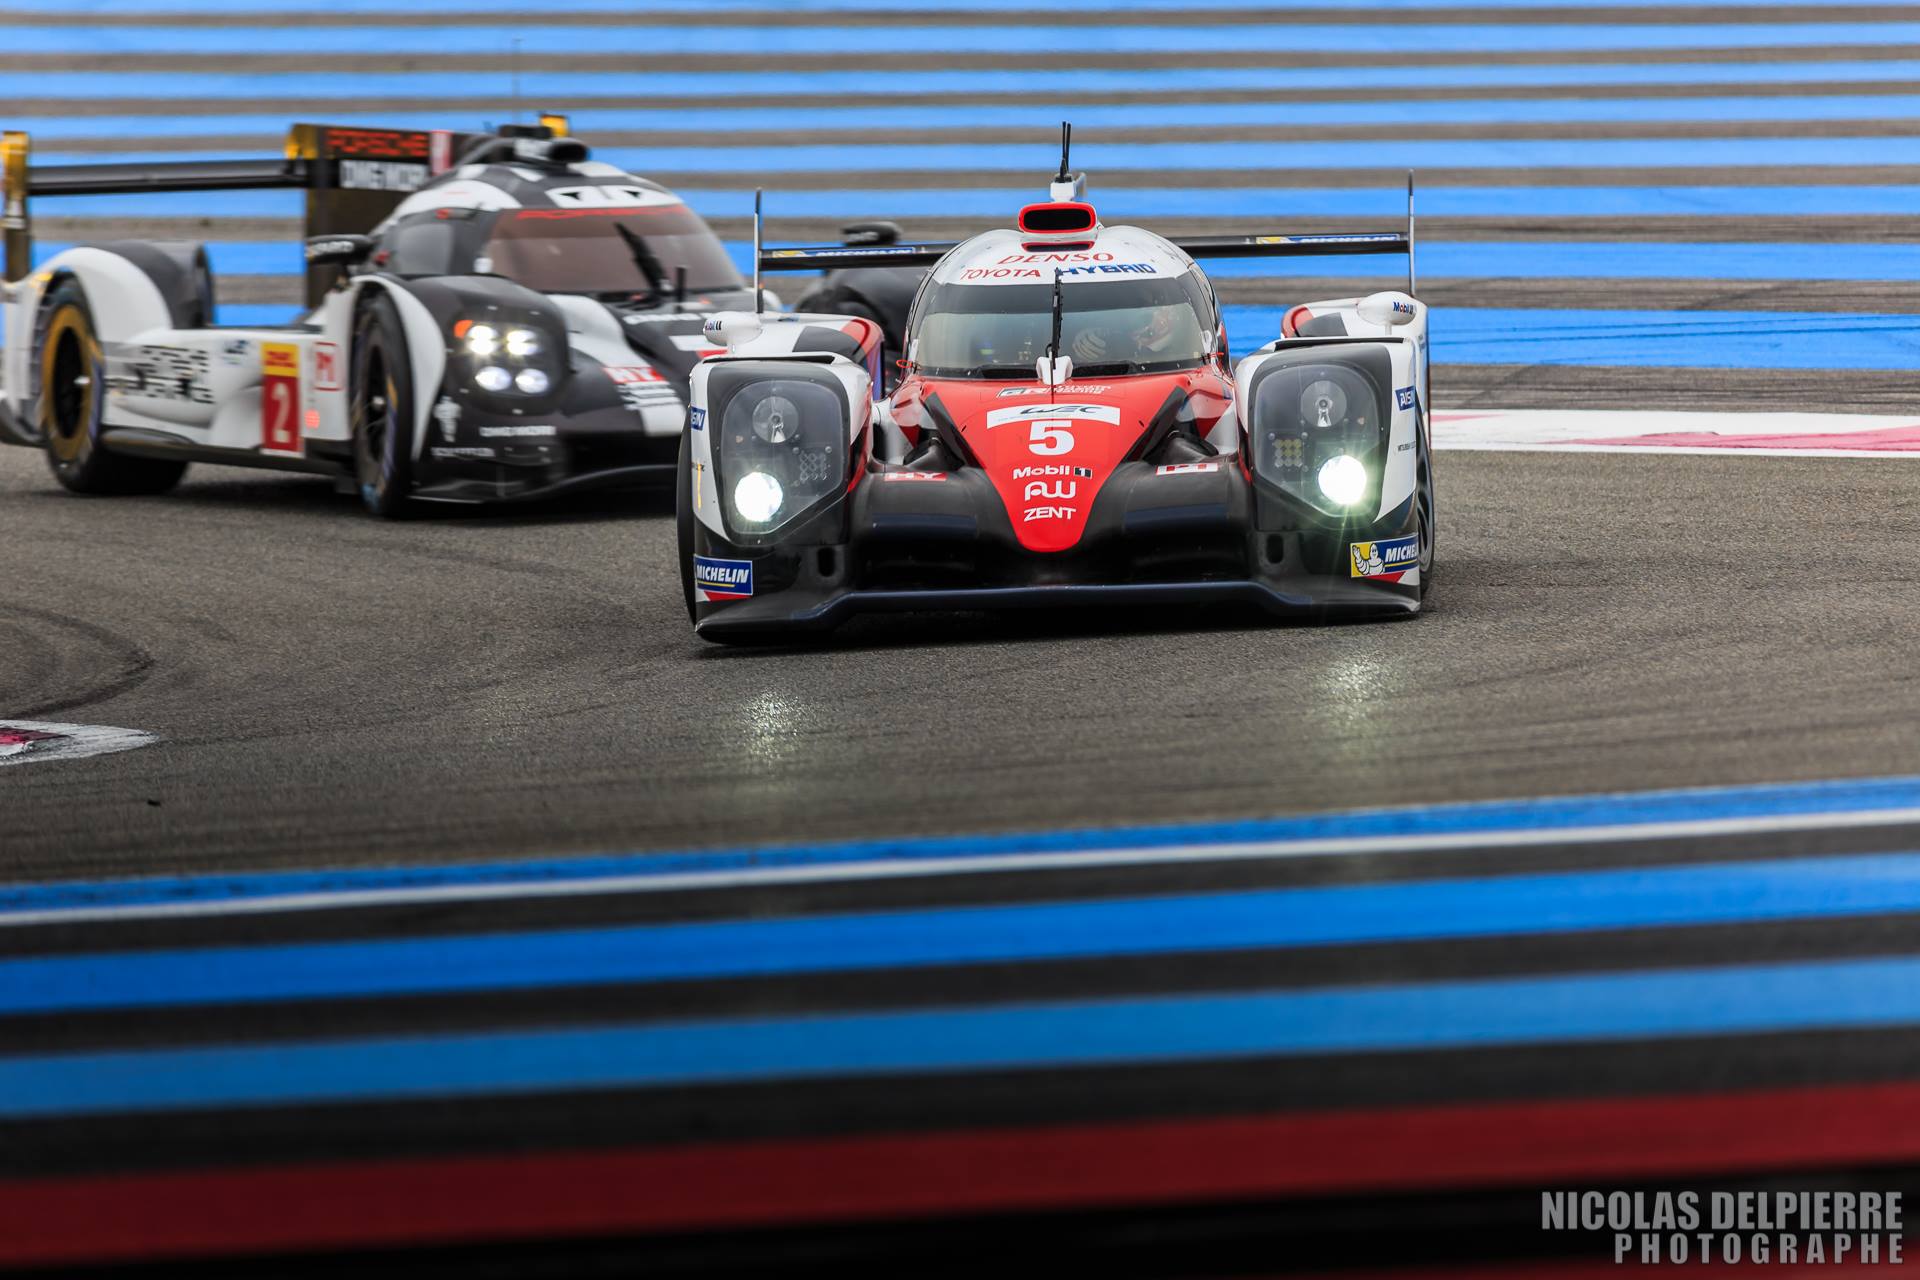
{"points": [[522, 324]]}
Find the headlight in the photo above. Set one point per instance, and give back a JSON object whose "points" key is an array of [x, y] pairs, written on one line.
{"points": [[1343, 478], [779, 433], [483, 340], [493, 378], [522, 343], [1318, 424], [757, 497], [532, 382]]}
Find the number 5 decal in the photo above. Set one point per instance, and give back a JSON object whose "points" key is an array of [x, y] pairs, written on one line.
{"points": [[1051, 438], [279, 397]]}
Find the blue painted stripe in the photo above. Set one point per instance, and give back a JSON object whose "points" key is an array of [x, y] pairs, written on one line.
{"points": [[883, 160], [307, 92], [1438, 260], [1544, 816], [535, 40], [1683, 1002], [716, 122], [1803, 889], [1275, 206]]}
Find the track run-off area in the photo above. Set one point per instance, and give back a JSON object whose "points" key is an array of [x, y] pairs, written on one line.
{"points": [[370, 886]]}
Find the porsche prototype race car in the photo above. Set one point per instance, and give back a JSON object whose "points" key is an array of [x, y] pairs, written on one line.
{"points": [[1069, 429], [521, 321]]}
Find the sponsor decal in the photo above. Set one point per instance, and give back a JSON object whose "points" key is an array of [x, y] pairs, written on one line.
{"points": [[1403, 396], [697, 419], [379, 144], [381, 175], [326, 366], [890, 251], [237, 351], [1052, 469], [1402, 308], [473, 451], [916, 477], [1048, 513], [1062, 390], [717, 579], [165, 373], [1388, 558], [440, 151], [1038, 273], [1186, 469], [37, 741], [447, 414], [626, 375], [1349, 238], [608, 197], [1064, 490], [279, 397], [1039, 412], [497, 433]]}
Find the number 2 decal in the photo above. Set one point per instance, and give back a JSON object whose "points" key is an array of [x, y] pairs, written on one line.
{"points": [[1050, 438], [279, 397]]}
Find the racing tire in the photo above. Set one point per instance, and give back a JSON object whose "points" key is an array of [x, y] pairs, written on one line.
{"points": [[382, 410], [683, 519], [72, 397], [1424, 509]]}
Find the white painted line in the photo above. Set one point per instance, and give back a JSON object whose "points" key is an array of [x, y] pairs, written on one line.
{"points": [[1823, 435], [904, 868], [39, 741]]}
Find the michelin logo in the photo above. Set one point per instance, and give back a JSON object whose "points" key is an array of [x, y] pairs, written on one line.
{"points": [[1390, 557], [722, 579]]}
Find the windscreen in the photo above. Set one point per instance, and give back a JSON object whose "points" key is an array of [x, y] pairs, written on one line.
{"points": [[608, 251], [1134, 325]]}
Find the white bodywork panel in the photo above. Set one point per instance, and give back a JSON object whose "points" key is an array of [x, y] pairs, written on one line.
{"points": [[1405, 340]]}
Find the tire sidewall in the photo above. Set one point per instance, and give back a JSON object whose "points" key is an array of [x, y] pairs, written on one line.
{"points": [[683, 518], [385, 482], [67, 303]]}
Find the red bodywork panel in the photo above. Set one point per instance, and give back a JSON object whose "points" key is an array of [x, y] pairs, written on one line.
{"points": [[1048, 450]]}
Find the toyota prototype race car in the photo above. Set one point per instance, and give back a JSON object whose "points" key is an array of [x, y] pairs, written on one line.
{"points": [[516, 321], [1068, 429]]}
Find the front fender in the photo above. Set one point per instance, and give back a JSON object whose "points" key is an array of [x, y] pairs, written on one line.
{"points": [[426, 347]]}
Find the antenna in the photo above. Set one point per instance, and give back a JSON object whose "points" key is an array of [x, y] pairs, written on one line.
{"points": [[1410, 276], [1066, 149], [1053, 344], [759, 295]]}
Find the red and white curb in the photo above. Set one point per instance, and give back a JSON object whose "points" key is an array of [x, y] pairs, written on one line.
{"points": [[35, 741], [1806, 435]]}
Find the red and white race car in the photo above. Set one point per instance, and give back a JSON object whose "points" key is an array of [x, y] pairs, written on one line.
{"points": [[1069, 429]]}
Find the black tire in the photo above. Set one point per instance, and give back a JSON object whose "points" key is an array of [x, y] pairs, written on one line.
{"points": [[382, 410], [683, 518], [72, 397], [1424, 505]]}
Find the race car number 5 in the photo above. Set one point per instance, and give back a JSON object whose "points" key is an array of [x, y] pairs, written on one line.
{"points": [[1051, 438]]}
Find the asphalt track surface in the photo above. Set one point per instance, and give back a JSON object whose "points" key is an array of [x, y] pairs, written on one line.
{"points": [[333, 689]]}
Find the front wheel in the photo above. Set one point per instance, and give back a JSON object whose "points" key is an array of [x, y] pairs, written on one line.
{"points": [[1424, 504], [382, 410], [72, 394], [683, 518]]}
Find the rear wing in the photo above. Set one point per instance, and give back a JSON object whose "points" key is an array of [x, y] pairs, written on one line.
{"points": [[837, 257], [354, 177]]}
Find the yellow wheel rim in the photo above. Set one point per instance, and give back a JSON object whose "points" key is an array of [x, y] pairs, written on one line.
{"points": [[69, 355]]}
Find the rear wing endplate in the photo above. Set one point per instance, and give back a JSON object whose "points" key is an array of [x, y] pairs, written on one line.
{"points": [[353, 176]]}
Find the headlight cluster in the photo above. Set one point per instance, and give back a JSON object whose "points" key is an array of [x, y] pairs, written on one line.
{"points": [[1319, 428], [781, 443], [505, 357]]}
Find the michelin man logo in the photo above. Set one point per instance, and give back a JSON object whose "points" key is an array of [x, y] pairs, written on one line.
{"points": [[1387, 558]]}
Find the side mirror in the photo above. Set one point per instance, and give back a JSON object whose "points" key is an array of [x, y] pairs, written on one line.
{"points": [[1387, 309], [731, 329], [338, 251]]}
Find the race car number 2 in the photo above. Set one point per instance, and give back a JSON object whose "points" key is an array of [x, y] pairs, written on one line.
{"points": [[279, 397]]}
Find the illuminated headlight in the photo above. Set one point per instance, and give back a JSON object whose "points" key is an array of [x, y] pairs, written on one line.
{"points": [[757, 497], [522, 343], [532, 382], [1343, 478], [493, 378], [483, 340]]}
